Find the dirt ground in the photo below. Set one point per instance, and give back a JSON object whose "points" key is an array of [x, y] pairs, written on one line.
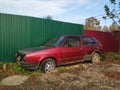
{"points": [[81, 76]]}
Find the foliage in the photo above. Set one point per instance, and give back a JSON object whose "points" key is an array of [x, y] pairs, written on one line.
{"points": [[14, 68], [112, 13], [39, 81], [61, 68], [112, 27], [105, 28], [49, 17], [92, 24], [2, 63], [20, 69], [115, 56]]}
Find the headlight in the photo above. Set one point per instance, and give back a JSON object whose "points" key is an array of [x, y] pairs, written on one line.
{"points": [[18, 57]]}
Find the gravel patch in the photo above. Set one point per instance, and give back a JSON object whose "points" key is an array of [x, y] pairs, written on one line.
{"points": [[14, 80]]}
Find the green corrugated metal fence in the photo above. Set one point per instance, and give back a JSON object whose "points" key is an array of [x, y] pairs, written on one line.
{"points": [[18, 32]]}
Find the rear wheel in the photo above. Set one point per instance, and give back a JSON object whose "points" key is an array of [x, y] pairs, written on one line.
{"points": [[96, 58], [48, 65]]}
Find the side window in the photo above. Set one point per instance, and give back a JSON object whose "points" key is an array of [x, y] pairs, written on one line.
{"points": [[72, 41], [88, 41]]}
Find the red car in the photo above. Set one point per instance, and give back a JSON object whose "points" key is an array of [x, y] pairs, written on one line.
{"points": [[60, 50]]}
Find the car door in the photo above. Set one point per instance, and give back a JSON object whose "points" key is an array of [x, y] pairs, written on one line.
{"points": [[88, 44], [71, 49]]}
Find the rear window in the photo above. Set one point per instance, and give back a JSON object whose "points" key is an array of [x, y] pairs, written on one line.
{"points": [[88, 41]]}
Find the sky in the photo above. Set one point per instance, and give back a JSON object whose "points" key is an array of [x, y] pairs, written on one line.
{"points": [[74, 11]]}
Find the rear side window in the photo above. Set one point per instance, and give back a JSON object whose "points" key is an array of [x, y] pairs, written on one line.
{"points": [[88, 41]]}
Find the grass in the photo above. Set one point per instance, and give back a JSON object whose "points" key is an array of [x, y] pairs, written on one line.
{"points": [[38, 81], [113, 55], [2, 63], [21, 70], [61, 68], [14, 68]]}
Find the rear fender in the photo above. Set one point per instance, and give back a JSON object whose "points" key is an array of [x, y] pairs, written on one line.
{"points": [[95, 52], [101, 55]]}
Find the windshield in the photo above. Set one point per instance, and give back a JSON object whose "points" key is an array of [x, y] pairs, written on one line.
{"points": [[55, 41]]}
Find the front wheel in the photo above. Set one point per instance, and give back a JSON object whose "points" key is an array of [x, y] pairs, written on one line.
{"points": [[96, 58], [48, 65]]}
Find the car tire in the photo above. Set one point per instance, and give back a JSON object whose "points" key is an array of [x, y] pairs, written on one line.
{"points": [[96, 58], [48, 65]]}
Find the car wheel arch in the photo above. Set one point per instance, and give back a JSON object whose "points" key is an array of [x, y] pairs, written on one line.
{"points": [[100, 53], [93, 52], [43, 59]]}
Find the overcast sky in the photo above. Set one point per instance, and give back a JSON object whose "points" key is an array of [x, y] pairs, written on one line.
{"points": [[63, 10]]}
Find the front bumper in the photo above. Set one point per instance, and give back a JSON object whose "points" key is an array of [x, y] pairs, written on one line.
{"points": [[29, 65]]}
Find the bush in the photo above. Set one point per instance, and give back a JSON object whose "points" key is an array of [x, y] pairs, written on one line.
{"points": [[113, 55]]}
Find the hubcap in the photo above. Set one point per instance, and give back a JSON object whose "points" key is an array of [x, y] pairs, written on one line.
{"points": [[96, 59], [49, 66]]}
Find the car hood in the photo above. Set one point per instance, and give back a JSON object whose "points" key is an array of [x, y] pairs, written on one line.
{"points": [[29, 50]]}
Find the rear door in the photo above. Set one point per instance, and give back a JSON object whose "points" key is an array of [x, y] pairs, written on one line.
{"points": [[88, 45]]}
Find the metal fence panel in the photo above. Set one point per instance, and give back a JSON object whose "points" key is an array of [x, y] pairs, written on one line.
{"points": [[109, 40]]}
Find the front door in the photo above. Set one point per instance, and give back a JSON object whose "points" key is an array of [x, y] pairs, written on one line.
{"points": [[71, 50]]}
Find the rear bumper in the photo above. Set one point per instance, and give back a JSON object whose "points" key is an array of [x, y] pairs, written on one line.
{"points": [[29, 65]]}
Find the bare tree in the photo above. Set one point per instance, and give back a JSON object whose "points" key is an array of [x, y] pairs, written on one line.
{"points": [[105, 28], [114, 12], [113, 27], [49, 17]]}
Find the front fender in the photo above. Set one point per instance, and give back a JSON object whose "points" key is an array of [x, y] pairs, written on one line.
{"points": [[42, 58]]}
